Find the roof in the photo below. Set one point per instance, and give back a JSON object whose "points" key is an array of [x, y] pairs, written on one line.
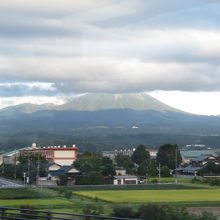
{"points": [[56, 172], [126, 177], [67, 168], [202, 158], [189, 168], [51, 164], [10, 153], [62, 170], [197, 153], [120, 168]]}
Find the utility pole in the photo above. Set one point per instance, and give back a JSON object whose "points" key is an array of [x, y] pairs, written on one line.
{"points": [[38, 167], [3, 165], [176, 166], [28, 177], [159, 172], [15, 174]]}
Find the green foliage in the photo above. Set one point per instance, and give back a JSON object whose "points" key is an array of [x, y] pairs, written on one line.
{"points": [[123, 212], [94, 167], [91, 209], [214, 181], [124, 161], [158, 212], [62, 180], [93, 178], [108, 168], [165, 171], [143, 168], [168, 155], [210, 168], [93, 162], [25, 193], [68, 194], [154, 181], [27, 161], [140, 154], [152, 169], [152, 212]]}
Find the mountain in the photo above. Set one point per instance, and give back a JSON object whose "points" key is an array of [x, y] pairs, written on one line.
{"points": [[100, 116], [97, 102]]}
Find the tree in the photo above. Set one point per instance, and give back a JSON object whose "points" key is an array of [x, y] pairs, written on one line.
{"points": [[152, 169], [169, 155], [108, 168], [140, 154], [210, 168], [143, 168], [124, 161], [62, 180], [89, 162], [165, 171]]}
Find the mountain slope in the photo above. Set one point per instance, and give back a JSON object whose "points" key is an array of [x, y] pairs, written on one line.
{"points": [[96, 102], [101, 115]]}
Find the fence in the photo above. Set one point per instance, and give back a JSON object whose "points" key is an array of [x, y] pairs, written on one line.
{"points": [[24, 214]]}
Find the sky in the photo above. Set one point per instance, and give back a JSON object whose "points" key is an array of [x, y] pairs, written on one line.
{"points": [[51, 50]]}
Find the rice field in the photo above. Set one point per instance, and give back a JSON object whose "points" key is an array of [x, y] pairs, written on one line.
{"points": [[155, 196]]}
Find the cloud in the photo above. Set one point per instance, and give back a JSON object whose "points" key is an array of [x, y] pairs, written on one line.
{"points": [[26, 89], [96, 74], [108, 46]]}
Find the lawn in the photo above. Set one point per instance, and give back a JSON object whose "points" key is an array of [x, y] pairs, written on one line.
{"points": [[155, 196]]}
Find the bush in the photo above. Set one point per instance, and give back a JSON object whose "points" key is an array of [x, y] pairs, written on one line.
{"points": [[124, 212], [62, 180], [154, 181], [93, 210], [94, 178], [214, 182], [151, 212], [158, 212], [68, 194]]}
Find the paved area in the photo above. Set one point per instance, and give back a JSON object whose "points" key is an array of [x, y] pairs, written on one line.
{"points": [[7, 183]]}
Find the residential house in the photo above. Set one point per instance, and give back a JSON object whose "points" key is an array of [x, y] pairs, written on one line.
{"points": [[196, 165], [125, 179]]}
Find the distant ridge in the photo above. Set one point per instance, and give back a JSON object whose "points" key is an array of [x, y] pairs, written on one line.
{"points": [[101, 101]]}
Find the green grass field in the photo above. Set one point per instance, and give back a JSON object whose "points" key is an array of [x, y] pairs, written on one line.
{"points": [[155, 196], [36, 202]]}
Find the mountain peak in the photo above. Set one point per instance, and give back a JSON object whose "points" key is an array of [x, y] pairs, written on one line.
{"points": [[103, 101]]}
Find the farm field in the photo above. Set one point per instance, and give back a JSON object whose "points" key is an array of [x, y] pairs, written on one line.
{"points": [[156, 196]]}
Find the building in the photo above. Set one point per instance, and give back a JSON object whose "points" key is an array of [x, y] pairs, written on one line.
{"points": [[120, 171], [153, 153], [55, 154], [53, 174], [1, 159], [113, 154], [196, 165], [189, 155], [125, 179]]}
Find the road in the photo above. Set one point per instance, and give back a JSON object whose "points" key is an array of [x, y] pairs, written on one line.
{"points": [[7, 183]]}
